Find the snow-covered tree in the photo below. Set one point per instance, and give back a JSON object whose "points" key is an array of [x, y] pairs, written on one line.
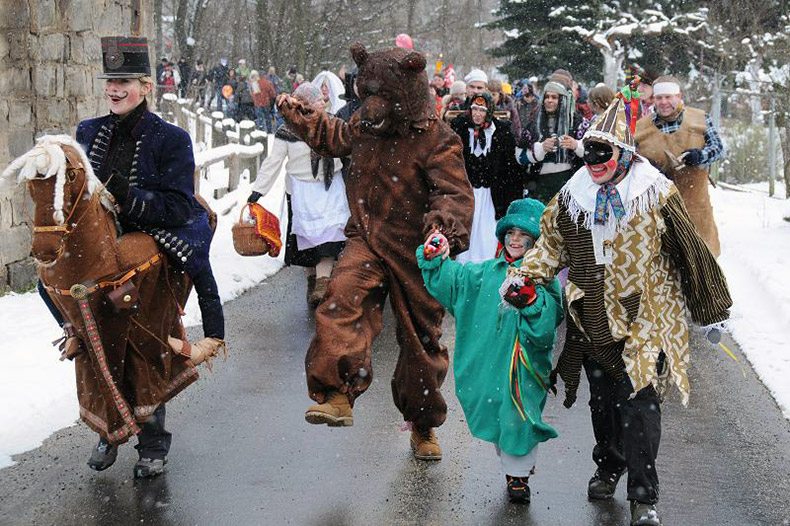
{"points": [[536, 44], [597, 37]]}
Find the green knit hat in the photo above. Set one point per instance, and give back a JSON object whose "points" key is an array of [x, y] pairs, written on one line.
{"points": [[524, 214]]}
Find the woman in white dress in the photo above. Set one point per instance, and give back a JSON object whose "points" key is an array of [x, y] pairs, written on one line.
{"points": [[496, 178], [317, 205]]}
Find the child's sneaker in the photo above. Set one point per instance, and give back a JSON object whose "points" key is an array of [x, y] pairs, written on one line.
{"points": [[518, 489]]}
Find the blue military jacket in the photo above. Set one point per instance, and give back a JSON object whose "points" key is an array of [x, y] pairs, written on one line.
{"points": [[162, 174]]}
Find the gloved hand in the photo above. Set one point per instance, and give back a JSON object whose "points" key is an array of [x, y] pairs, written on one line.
{"points": [[254, 196], [118, 186], [436, 245], [521, 295], [713, 332], [693, 157]]}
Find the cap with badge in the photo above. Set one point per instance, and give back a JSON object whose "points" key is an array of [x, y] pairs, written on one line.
{"points": [[125, 58]]}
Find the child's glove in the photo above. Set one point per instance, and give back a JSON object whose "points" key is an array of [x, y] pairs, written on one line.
{"points": [[521, 295], [436, 245], [692, 157]]}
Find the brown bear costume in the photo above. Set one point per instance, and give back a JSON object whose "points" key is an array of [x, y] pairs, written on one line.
{"points": [[406, 178]]}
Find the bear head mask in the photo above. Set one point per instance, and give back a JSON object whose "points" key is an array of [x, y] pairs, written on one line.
{"points": [[393, 87]]}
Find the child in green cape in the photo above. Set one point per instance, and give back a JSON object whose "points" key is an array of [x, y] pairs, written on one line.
{"points": [[503, 351]]}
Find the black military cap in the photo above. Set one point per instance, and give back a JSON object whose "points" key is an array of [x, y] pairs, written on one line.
{"points": [[125, 58]]}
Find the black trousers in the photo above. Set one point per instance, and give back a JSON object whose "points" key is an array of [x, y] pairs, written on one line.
{"points": [[627, 430], [153, 441]]}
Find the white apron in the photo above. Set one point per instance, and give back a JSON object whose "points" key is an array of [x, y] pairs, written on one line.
{"points": [[319, 215], [482, 238]]}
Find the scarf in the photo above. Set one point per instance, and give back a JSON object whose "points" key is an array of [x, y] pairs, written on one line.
{"points": [[328, 170], [562, 122], [608, 194]]}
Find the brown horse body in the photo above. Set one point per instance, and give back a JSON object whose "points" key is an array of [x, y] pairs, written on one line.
{"points": [[126, 368]]}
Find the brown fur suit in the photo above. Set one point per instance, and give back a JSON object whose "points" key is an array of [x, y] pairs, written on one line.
{"points": [[407, 176]]}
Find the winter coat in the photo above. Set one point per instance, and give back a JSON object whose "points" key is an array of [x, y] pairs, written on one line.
{"points": [[498, 169], [161, 197], [265, 95], [626, 313], [486, 335], [244, 95]]}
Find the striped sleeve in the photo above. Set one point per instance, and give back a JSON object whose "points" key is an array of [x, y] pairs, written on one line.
{"points": [[549, 255], [703, 282]]}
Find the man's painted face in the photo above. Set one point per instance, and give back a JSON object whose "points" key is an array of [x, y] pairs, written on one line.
{"points": [[477, 86], [601, 160], [517, 242], [551, 101], [666, 104], [125, 95]]}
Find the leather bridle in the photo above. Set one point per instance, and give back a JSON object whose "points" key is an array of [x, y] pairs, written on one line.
{"points": [[64, 230]]}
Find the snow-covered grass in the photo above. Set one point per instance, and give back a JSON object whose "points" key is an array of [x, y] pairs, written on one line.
{"points": [[39, 392], [755, 258]]}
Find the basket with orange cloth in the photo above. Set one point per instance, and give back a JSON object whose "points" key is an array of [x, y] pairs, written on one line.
{"points": [[257, 235]]}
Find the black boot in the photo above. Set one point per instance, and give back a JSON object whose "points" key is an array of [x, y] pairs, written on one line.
{"points": [[147, 468], [603, 484], [518, 489], [644, 514], [103, 455]]}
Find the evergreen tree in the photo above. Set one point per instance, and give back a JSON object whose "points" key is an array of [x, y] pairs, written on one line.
{"points": [[537, 45]]}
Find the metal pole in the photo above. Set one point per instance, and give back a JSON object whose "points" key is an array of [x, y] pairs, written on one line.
{"points": [[771, 148], [715, 115]]}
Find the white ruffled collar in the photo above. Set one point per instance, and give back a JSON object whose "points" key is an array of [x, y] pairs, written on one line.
{"points": [[639, 191]]}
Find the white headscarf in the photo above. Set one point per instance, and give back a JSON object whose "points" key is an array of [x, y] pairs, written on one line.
{"points": [[336, 89]]}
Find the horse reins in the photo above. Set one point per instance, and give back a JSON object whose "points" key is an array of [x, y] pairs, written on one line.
{"points": [[64, 228]]}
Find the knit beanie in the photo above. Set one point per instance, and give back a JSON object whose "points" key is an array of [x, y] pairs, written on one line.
{"points": [[523, 214], [476, 75]]}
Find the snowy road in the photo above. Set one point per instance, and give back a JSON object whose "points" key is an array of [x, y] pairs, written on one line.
{"points": [[242, 453]]}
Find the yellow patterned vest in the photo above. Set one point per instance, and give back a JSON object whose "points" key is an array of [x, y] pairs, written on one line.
{"points": [[691, 181]]}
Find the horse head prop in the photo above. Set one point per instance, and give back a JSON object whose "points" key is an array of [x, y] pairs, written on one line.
{"points": [[116, 292], [64, 190]]}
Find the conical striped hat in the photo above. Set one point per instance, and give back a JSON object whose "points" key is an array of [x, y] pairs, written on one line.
{"points": [[613, 127]]}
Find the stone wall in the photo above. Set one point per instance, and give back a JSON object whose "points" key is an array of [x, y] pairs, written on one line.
{"points": [[50, 54]]}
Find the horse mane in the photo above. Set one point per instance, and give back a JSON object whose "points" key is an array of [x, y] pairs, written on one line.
{"points": [[47, 158]]}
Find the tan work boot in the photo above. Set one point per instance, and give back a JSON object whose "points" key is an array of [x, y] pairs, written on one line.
{"points": [[319, 292], [425, 445], [335, 412]]}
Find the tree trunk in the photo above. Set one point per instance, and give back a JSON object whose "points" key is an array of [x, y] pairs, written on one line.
{"points": [[754, 86], [612, 62], [263, 40], [411, 6], [159, 46], [784, 136], [180, 28]]}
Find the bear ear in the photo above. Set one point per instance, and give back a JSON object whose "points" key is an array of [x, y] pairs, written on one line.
{"points": [[359, 53], [413, 61]]}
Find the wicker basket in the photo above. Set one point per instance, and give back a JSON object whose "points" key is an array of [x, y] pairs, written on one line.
{"points": [[246, 240]]}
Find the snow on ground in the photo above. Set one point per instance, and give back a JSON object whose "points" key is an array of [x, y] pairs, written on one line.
{"points": [[39, 391], [755, 257]]}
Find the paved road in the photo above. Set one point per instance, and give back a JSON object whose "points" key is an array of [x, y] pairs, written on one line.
{"points": [[243, 454]]}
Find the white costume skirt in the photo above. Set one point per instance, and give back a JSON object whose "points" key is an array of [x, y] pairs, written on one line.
{"points": [[482, 238], [319, 215]]}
